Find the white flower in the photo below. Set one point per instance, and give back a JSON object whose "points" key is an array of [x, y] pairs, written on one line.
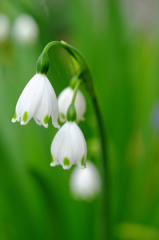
{"points": [[64, 100], [4, 26], [25, 29], [85, 183], [69, 147], [38, 100]]}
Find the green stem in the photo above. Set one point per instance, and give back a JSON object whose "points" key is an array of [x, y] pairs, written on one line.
{"points": [[80, 66], [50, 44], [75, 91], [106, 194]]}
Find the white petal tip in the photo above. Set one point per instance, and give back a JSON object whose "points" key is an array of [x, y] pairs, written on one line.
{"points": [[81, 167], [52, 165], [13, 120], [23, 123], [56, 125], [62, 119], [66, 167]]}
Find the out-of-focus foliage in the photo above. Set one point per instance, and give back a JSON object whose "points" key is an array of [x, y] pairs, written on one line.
{"points": [[119, 40]]}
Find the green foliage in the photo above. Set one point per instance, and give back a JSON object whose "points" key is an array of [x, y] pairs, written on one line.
{"points": [[35, 200]]}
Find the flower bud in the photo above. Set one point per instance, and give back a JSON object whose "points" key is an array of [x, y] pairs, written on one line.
{"points": [[42, 63], [71, 113], [85, 184]]}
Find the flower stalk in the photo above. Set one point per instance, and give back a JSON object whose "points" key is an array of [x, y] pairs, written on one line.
{"points": [[75, 90], [80, 69], [38, 100]]}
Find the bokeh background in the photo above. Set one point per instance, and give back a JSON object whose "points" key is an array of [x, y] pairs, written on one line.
{"points": [[120, 41]]}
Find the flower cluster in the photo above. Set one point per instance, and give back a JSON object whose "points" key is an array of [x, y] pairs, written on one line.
{"points": [[38, 100]]}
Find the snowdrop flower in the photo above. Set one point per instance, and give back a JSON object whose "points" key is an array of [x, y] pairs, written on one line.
{"points": [[85, 183], [64, 100], [4, 27], [25, 29], [38, 100], [69, 147]]}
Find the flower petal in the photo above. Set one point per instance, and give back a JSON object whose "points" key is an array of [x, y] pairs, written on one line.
{"points": [[44, 111], [57, 142], [64, 100], [80, 105], [54, 104], [30, 99], [79, 147], [65, 154]]}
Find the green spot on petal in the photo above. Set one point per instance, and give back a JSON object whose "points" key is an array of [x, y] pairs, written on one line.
{"points": [[46, 119], [52, 159], [39, 121], [25, 116], [82, 161], [63, 116], [66, 162], [15, 115], [58, 121]]}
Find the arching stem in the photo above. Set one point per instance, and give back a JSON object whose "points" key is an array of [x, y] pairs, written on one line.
{"points": [[106, 179], [80, 69]]}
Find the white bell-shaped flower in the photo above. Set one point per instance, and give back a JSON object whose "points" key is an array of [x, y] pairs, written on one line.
{"points": [[69, 147], [25, 29], [64, 100], [38, 100], [85, 184]]}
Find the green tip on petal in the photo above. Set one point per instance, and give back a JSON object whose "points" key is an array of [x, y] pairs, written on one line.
{"points": [[63, 116], [15, 115], [25, 116], [66, 162], [52, 159], [59, 122], [82, 162], [46, 119]]}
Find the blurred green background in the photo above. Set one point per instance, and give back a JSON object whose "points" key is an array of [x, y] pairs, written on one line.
{"points": [[120, 41]]}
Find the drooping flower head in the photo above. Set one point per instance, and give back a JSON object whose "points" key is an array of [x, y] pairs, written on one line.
{"points": [[85, 184], [69, 146], [38, 100], [64, 101]]}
